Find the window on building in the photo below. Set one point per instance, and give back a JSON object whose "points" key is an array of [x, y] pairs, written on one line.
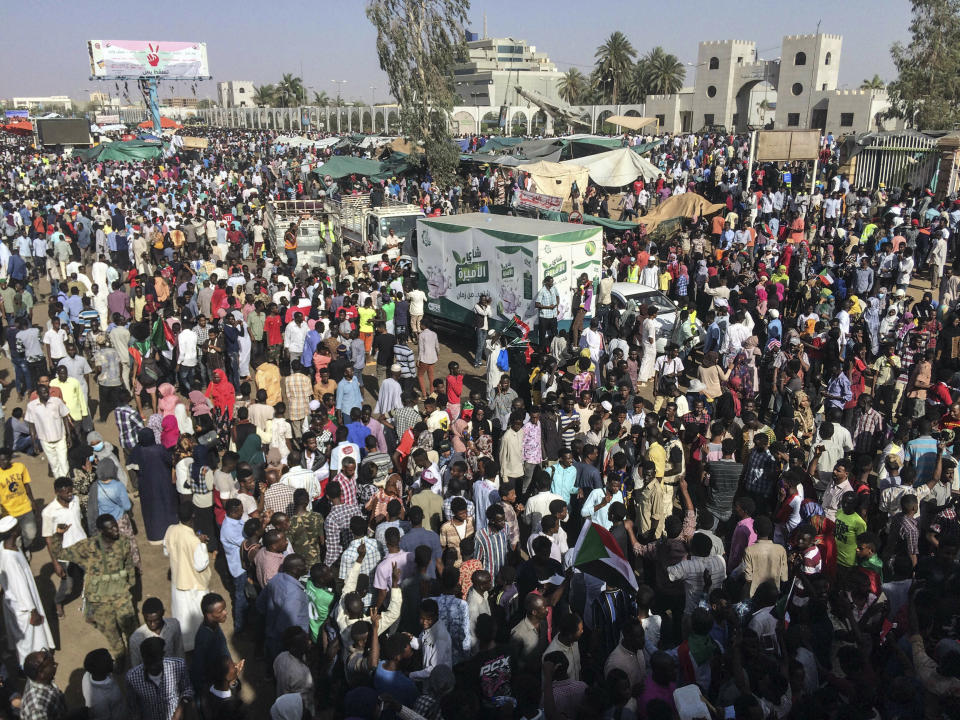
{"points": [[796, 89], [800, 58], [510, 49], [793, 119], [711, 91], [714, 63], [241, 91], [823, 87], [708, 119], [740, 60], [846, 119], [661, 119], [827, 58]]}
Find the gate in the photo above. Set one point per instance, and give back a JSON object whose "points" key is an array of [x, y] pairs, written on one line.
{"points": [[895, 159]]}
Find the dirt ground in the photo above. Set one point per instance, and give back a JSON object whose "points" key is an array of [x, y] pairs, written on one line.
{"points": [[75, 638]]}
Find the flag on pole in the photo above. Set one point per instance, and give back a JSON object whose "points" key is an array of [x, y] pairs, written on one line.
{"points": [[597, 553], [524, 328]]}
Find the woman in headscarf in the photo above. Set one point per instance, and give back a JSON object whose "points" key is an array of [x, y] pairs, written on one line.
{"points": [[199, 403], [158, 496], [169, 432], [803, 421], [222, 393], [170, 403], [745, 366], [252, 451], [712, 375]]}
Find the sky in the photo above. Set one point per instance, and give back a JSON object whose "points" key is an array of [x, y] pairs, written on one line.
{"points": [[326, 40]]}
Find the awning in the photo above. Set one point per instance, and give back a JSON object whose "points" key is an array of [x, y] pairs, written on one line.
{"points": [[632, 122], [24, 127], [688, 205], [557, 179], [616, 168], [165, 124], [342, 165]]}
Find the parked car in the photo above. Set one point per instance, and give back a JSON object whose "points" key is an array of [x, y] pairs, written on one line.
{"points": [[630, 298]]}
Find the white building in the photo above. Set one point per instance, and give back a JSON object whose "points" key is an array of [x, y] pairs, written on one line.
{"points": [[47, 104], [235, 93], [731, 82], [496, 66]]}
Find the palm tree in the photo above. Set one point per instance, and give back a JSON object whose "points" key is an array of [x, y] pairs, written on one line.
{"points": [[290, 90], [321, 99], [874, 83], [572, 86], [614, 61], [264, 95], [663, 72], [762, 108]]}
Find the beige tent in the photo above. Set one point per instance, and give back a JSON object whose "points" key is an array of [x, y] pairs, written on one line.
{"points": [[556, 179], [688, 205], [631, 122], [616, 168]]}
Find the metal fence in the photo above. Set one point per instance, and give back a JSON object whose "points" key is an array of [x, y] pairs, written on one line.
{"points": [[895, 159]]}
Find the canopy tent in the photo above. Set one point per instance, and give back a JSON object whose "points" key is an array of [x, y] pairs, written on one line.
{"points": [[165, 124], [24, 127], [115, 127], [591, 220], [688, 205], [646, 147], [375, 141], [557, 179], [297, 141], [616, 168], [631, 122], [342, 165], [125, 151]]}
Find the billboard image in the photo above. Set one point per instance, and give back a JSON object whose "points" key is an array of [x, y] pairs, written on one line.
{"points": [[64, 131], [23, 114], [117, 59]]}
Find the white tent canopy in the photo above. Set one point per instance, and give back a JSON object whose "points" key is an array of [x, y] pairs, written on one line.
{"points": [[616, 168], [299, 141]]}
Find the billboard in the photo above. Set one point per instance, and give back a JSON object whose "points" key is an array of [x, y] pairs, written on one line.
{"points": [[24, 114], [103, 119], [117, 59], [787, 145], [64, 131]]}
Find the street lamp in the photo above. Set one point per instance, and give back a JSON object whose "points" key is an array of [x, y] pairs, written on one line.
{"points": [[339, 84]]}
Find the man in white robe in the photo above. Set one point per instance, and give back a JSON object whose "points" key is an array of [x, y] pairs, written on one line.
{"points": [[189, 573], [26, 627]]}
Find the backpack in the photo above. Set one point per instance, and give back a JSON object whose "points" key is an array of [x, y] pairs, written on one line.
{"points": [[503, 360], [149, 374]]}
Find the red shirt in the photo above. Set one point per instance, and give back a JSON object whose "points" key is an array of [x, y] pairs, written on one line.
{"points": [[454, 388], [273, 329]]}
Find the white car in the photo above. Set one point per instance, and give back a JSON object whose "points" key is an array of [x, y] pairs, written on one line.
{"points": [[629, 298]]}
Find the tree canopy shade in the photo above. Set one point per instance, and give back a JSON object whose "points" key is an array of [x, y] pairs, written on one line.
{"points": [[927, 92], [417, 44]]}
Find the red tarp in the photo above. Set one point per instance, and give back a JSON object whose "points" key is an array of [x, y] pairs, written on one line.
{"points": [[24, 127], [165, 123]]}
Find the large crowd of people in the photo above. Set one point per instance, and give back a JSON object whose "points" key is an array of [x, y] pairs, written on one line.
{"points": [[746, 514]]}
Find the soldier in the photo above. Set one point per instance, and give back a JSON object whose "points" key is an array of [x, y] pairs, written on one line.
{"points": [[109, 579]]}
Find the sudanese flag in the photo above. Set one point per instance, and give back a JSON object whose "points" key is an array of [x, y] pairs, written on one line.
{"points": [[597, 553]]}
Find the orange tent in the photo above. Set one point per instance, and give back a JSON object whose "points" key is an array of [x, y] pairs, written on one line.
{"points": [[165, 124], [24, 127]]}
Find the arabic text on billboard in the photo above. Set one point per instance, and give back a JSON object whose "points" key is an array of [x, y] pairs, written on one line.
{"points": [[538, 201], [111, 59]]}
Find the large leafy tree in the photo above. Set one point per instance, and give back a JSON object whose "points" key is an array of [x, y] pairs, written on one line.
{"points": [[264, 95], [290, 90], [417, 43], [927, 91], [573, 86], [614, 64], [663, 72]]}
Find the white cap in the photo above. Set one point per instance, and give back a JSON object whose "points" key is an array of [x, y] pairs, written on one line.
{"points": [[7, 523], [314, 405]]}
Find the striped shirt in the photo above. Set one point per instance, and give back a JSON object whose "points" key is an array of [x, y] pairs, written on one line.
{"points": [[337, 521], [492, 549], [691, 572]]}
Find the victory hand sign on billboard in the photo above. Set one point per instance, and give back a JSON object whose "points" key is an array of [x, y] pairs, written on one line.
{"points": [[118, 59]]}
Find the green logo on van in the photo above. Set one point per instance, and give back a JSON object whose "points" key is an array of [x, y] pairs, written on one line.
{"points": [[590, 248], [556, 268], [473, 272]]}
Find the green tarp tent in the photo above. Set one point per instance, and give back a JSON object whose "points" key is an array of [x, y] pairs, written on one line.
{"points": [[340, 166], [592, 220], [127, 151]]}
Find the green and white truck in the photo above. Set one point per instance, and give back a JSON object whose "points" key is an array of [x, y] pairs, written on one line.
{"points": [[460, 257]]}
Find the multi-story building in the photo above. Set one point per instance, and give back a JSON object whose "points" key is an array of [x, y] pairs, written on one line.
{"points": [[732, 83], [50, 103], [495, 66], [235, 93]]}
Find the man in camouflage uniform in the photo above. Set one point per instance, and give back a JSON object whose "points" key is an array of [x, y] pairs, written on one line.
{"points": [[108, 580]]}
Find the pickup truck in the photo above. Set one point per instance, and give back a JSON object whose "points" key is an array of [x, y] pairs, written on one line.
{"points": [[364, 229]]}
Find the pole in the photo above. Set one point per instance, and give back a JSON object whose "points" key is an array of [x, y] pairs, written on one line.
{"points": [[813, 176], [753, 147], [154, 104]]}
